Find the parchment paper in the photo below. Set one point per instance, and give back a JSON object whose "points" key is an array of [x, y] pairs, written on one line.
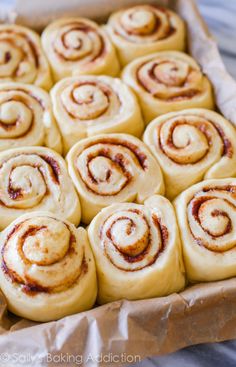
{"points": [[125, 332]]}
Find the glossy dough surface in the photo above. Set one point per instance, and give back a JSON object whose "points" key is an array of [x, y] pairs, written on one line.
{"points": [[112, 168], [206, 215], [22, 57], [35, 178], [137, 250], [26, 117], [166, 82], [144, 29], [91, 105], [47, 269], [191, 145], [77, 46]]}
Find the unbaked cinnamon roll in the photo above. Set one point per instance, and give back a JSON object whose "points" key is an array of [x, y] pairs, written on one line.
{"points": [[137, 250], [26, 117], [22, 58], [168, 81], [112, 168], [35, 178], [47, 268], [144, 29], [79, 46], [191, 145], [91, 105], [207, 220]]}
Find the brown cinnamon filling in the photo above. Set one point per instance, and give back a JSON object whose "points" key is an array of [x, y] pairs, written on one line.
{"points": [[135, 258], [196, 204], [107, 92], [81, 28], [7, 57], [179, 96], [29, 286], [227, 150], [54, 166], [170, 31], [119, 160], [17, 193], [14, 193], [141, 157], [18, 98], [10, 38]]}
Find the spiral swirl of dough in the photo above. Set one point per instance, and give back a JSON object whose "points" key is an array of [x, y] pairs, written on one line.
{"points": [[22, 58], [131, 241], [35, 178], [207, 221], [191, 145], [112, 168], [90, 105], [26, 117], [144, 29], [45, 260], [168, 81], [78, 46], [127, 238]]}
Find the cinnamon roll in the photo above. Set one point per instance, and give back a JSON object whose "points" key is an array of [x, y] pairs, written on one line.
{"points": [[77, 46], [143, 29], [21, 57], [47, 267], [112, 168], [191, 145], [35, 178], [206, 214], [89, 105], [137, 250], [26, 117], [168, 81]]}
